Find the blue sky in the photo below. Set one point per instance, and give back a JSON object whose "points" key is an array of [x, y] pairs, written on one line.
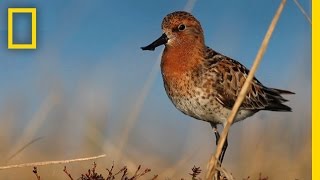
{"points": [[99, 39], [81, 32], [95, 45]]}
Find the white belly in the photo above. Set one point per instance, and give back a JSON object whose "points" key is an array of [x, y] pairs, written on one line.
{"points": [[207, 109]]}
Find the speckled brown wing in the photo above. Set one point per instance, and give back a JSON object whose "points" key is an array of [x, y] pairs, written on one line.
{"points": [[231, 76]]}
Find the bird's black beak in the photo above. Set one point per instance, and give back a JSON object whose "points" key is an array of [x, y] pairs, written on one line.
{"points": [[161, 40]]}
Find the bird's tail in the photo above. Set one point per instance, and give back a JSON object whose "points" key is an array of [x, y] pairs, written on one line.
{"points": [[275, 99]]}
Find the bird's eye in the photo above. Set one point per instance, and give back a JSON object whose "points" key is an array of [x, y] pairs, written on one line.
{"points": [[181, 27]]}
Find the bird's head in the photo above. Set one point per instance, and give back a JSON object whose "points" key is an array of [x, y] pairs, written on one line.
{"points": [[179, 29]]}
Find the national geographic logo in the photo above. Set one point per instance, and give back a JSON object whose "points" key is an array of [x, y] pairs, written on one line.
{"points": [[33, 44]]}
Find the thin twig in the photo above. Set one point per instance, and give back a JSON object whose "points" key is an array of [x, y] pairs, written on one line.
{"points": [[138, 169], [138, 174], [35, 172], [67, 173], [303, 11], [213, 161], [120, 171], [154, 177], [50, 162], [195, 172], [23, 147], [110, 171]]}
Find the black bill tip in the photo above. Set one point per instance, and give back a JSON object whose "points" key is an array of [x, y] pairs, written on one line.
{"points": [[149, 47], [160, 41]]}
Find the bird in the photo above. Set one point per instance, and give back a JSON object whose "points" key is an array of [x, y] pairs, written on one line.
{"points": [[203, 83]]}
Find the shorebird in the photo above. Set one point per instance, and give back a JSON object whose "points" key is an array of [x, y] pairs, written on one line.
{"points": [[203, 83]]}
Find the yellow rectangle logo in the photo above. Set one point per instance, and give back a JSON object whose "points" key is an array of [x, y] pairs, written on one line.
{"points": [[33, 12]]}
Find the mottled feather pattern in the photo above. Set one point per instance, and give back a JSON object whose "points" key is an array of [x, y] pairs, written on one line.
{"points": [[231, 76]]}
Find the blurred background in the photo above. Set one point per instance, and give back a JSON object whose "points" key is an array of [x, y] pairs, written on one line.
{"points": [[89, 89]]}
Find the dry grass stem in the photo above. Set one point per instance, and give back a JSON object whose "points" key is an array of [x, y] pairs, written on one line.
{"points": [[213, 161], [51, 162], [23, 147], [303, 11]]}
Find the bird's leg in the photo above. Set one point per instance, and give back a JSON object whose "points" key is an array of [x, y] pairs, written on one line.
{"points": [[216, 132], [224, 149], [225, 145]]}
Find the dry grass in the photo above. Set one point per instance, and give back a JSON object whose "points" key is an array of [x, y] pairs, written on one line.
{"points": [[45, 163], [122, 174]]}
